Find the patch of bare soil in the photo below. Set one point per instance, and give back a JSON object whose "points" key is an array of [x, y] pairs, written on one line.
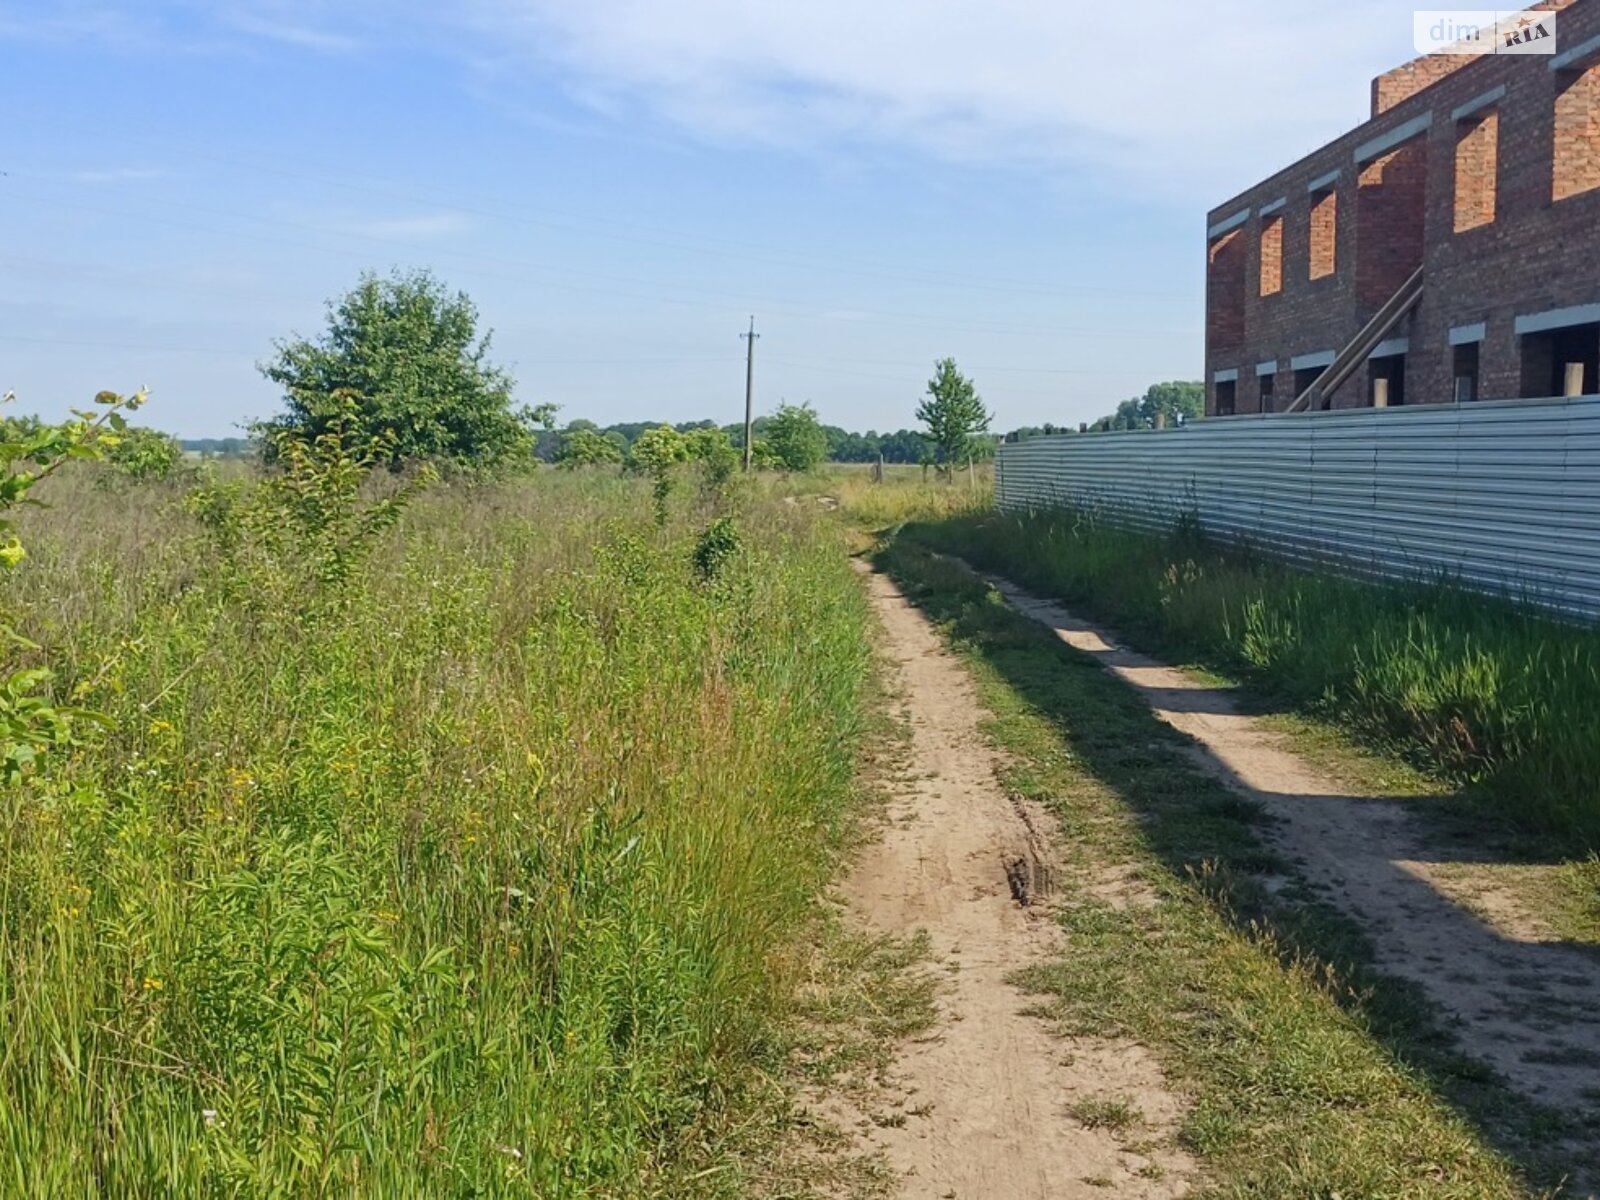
{"points": [[1518, 1001], [983, 1106]]}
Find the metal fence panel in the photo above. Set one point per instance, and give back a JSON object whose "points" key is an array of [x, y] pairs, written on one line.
{"points": [[1503, 495]]}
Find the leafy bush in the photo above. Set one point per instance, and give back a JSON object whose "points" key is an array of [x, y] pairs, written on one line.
{"points": [[32, 723], [654, 453], [795, 439], [145, 454], [718, 543], [587, 448], [293, 540], [404, 357]]}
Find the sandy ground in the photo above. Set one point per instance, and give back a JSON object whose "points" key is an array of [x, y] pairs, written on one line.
{"points": [[987, 1099], [1518, 1001]]}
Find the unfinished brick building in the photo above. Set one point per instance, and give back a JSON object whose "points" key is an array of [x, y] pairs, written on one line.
{"points": [[1448, 249]]}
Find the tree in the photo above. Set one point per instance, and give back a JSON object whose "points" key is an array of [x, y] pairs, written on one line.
{"points": [[713, 449], [407, 353], [954, 415], [795, 438], [654, 453], [144, 454], [1177, 401], [586, 448]]}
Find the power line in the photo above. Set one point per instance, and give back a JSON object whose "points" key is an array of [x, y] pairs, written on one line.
{"points": [[668, 239], [865, 315]]}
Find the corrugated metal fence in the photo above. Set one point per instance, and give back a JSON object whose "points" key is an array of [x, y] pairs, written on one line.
{"points": [[1505, 494]]}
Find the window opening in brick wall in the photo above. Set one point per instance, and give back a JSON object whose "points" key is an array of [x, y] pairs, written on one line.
{"points": [[1477, 170], [1561, 362], [1324, 233], [1386, 381], [1225, 269], [1226, 398], [1576, 166], [1465, 372], [1272, 256]]}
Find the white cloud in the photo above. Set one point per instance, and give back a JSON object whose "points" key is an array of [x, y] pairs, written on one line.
{"points": [[1168, 93]]}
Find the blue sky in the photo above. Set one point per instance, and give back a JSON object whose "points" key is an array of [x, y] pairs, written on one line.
{"points": [[619, 183]]}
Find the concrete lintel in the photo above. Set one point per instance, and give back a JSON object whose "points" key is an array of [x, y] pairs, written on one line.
{"points": [[1384, 142], [1391, 347], [1578, 57], [1478, 103], [1305, 362], [1324, 181], [1558, 318], [1228, 223], [1465, 335], [1267, 368], [1231, 375], [1266, 210]]}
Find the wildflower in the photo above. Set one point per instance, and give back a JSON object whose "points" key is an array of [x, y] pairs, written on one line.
{"points": [[512, 1151], [159, 727], [387, 916], [152, 984]]}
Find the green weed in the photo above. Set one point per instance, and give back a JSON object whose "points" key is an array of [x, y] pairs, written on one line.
{"points": [[479, 883], [1480, 690]]}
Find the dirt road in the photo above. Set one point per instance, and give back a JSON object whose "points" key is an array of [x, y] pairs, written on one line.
{"points": [[988, 1099], [1515, 999]]}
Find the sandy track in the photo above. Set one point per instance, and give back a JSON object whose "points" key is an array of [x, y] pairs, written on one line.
{"points": [[1525, 1006], [987, 1097]]}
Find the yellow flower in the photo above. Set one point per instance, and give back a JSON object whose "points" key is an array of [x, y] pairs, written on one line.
{"points": [[388, 916], [160, 727], [152, 984]]}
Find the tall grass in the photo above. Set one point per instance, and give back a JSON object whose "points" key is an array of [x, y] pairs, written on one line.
{"points": [[478, 886], [1478, 688]]}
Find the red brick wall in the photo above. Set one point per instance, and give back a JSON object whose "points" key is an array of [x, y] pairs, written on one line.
{"points": [[1576, 152], [1477, 171], [1538, 252], [1391, 213], [1271, 282], [1225, 298]]}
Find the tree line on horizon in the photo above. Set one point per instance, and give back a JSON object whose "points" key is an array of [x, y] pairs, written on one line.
{"points": [[402, 366]]}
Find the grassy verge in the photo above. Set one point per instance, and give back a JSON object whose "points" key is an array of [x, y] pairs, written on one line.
{"points": [[1310, 1074], [477, 879], [1477, 691]]}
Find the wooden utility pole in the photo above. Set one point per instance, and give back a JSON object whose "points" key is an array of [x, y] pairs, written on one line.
{"points": [[749, 392]]}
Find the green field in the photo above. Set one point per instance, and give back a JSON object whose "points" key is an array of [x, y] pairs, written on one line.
{"points": [[466, 868]]}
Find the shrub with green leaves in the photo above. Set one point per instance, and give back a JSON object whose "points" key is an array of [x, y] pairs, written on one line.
{"points": [[795, 439], [32, 721], [294, 539], [145, 454], [403, 367], [587, 448]]}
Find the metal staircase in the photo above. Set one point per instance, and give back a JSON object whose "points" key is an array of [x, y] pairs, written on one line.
{"points": [[1364, 343]]}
